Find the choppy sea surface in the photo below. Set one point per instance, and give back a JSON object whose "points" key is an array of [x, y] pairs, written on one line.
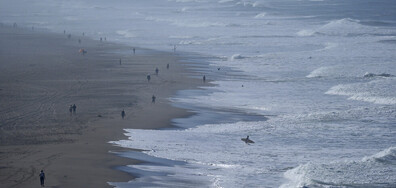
{"points": [[312, 82]]}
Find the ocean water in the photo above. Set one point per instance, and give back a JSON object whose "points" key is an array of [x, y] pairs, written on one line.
{"points": [[312, 82]]}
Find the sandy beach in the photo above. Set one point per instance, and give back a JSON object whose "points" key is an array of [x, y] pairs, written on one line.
{"points": [[42, 74]]}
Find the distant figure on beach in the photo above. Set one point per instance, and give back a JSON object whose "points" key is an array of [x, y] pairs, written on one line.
{"points": [[153, 99], [74, 108], [120, 61], [134, 50], [167, 66], [218, 68], [82, 51], [148, 78], [71, 109], [204, 78], [42, 178], [156, 71], [123, 114]]}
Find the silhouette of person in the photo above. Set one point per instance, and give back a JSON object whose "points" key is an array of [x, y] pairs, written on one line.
{"points": [[74, 108], [120, 61], [134, 51], [204, 78], [71, 109], [148, 78], [153, 99], [167, 66], [123, 114], [156, 71], [42, 178]]}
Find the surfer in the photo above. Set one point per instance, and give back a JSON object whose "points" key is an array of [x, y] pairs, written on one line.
{"points": [[247, 140]]}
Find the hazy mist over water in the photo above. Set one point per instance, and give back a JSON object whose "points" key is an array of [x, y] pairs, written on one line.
{"points": [[312, 82]]}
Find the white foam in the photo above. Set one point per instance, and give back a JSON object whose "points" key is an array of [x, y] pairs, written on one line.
{"points": [[320, 72], [341, 27], [363, 173], [261, 15], [236, 56], [376, 91]]}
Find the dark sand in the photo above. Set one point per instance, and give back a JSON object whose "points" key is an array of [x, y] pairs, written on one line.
{"points": [[42, 74]]}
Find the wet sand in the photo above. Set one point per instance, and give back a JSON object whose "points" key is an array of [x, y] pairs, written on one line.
{"points": [[42, 74]]}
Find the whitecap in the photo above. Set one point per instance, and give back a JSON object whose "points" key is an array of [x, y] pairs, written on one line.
{"points": [[261, 15], [236, 56], [373, 171]]}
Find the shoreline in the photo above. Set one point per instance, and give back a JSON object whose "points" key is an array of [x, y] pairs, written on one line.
{"points": [[73, 150]]}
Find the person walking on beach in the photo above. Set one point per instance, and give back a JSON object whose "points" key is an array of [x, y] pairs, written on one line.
{"points": [[74, 108], [71, 109], [167, 66], [42, 178], [156, 71], [204, 78], [123, 114], [120, 61], [134, 51], [153, 99], [148, 78]]}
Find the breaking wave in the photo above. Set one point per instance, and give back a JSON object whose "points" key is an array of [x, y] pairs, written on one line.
{"points": [[376, 91], [373, 171], [341, 27]]}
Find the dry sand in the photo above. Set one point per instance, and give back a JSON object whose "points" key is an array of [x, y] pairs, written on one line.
{"points": [[42, 74]]}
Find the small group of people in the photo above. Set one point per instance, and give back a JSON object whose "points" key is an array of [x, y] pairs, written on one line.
{"points": [[72, 109]]}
